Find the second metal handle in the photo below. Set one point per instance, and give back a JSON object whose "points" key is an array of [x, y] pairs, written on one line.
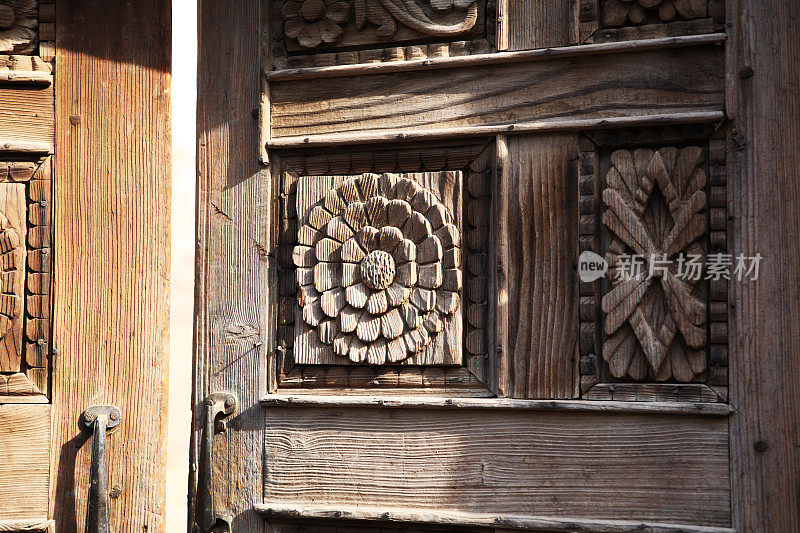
{"points": [[217, 404], [99, 418]]}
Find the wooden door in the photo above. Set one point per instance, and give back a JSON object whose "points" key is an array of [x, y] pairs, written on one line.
{"points": [[84, 247], [400, 207]]}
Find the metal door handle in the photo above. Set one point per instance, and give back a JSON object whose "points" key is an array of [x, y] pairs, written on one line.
{"points": [[99, 418], [218, 405]]}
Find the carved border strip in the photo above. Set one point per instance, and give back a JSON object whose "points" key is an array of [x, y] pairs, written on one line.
{"points": [[38, 279], [590, 179], [385, 55], [718, 290], [47, 29], [592, 27]]}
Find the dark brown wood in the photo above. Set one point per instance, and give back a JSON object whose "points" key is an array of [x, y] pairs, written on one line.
{"points": [[537, 90], [764, 103], [111, 275], [540, 206]]}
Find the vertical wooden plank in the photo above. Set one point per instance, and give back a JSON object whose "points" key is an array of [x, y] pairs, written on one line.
{"points": [[234, 329], [537, 23], [111, 254], [764, 164], [542, 234]]}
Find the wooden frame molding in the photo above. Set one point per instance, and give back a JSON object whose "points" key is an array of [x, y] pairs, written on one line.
{"points": [[421, 402], [498, 58], [400, 516]]}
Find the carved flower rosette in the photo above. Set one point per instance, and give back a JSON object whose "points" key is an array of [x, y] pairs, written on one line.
{"points": [[370, 268], [19, 20]]}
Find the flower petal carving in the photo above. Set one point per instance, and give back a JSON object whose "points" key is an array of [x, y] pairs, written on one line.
{"points": [[374, 284]]}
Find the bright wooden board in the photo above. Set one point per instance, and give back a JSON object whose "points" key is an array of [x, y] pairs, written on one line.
{"points": [[582, 465]]}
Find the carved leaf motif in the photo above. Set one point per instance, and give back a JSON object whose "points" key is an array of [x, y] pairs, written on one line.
{"points": [[314, 22], [370, 296], [655, 321]]}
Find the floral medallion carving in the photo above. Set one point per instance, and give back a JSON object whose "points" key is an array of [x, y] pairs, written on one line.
{"points": [[312, 23], [655, 316], [378, 270], [19, 20]]}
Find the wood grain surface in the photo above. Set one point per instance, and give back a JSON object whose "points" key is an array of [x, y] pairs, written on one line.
{"points": [[764, 165], [25, 468], [234, 322], [591, 465], [536, 248], [111, 252], [26, 113], [616, 85]]}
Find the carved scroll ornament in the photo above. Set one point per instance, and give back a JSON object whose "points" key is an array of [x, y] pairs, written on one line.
{"points": [[19, 20], [373, 269], [655, 320], [313, 22]]}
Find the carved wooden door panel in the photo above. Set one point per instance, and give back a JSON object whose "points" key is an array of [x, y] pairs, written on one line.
{"points": [[391, 269], [84, 278]]}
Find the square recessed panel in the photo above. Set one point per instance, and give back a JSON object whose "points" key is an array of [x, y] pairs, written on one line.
{"points": [[379, 269]]}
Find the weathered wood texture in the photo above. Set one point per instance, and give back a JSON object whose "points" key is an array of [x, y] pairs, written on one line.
{"points": [[26, 113], [599, 466], [25, 468], [396, 517], [536, 251], [537, 24], [623, 84], [236, 272], [764, 164], [111, 256]]}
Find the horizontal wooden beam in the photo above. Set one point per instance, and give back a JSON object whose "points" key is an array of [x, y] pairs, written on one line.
{"points": [[499, 58], [421, 402], [535, 126], [34, 525], [648, 467], [289, 510], [11, 146], [32, 77], [627, 88]]}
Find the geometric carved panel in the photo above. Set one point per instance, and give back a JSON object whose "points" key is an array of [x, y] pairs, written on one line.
{"points": [[12, 274], [655, 209], [379, 269], [654, 327]]}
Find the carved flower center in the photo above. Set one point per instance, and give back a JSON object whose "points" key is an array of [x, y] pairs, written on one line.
{"points": [[312, 10], [7, 17], [377, 270]]}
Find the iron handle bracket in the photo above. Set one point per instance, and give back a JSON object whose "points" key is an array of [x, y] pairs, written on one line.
{"points": [[218, 405], [99, 419]]}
